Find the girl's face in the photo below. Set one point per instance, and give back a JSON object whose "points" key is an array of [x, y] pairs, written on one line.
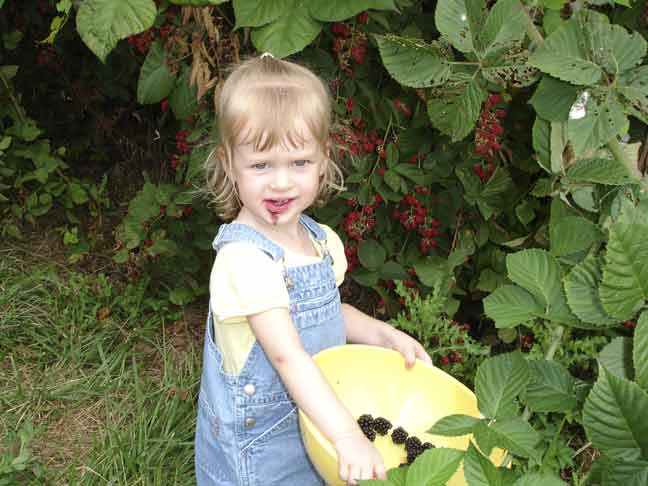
{"points": [[277, 184]]}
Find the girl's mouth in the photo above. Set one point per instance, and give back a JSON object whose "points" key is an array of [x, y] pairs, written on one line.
{"points": [[277, 206]]}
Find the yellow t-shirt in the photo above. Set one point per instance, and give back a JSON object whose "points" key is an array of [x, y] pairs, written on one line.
{"points": [[245, 280]]}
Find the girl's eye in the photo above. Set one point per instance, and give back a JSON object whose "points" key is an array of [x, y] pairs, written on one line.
{"points": [[302, 163], [260, 165]]}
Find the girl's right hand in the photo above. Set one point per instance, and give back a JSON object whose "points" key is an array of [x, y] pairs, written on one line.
{"points": [[358, 458]]}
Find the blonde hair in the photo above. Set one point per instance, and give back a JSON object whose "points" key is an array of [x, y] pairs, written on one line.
{"points": [[265, 101]]}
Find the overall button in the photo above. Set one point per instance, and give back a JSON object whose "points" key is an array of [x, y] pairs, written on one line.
{"points": [[249, 422], [249, 389]]}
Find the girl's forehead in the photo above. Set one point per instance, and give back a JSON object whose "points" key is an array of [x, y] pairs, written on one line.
{"points": [[258, 139]]}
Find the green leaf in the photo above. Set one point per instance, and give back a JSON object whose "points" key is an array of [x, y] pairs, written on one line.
{"points": [[601, 123], [197, 3], [581, 287], [434, 467], [181, 295], [252, 13], [451, 19], [454, 425], [77, 193], [539, 479], [155, 80], [539, 273], [640, 351], [553, 99], [505, 26], [510, 306], [336, 10], [103, 23], [517, 436], [413, 62], [551, 388], [393, 180], [184, 98], [633, 88], [601, 171], [393, 271], [479, 470], [371, 254], [455, 110], [616, 357], [564, 56], [541, 135], [613, 48], [499, 381], [624, 288], [627, 473], [289, 34], [397, 476], [572, 234], [614, 417]]}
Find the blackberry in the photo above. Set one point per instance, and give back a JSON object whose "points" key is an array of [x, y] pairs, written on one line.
{"points": [[411, 457], [428, 445], [366, 425], [413, 444], [381, 425], [399, 435]]}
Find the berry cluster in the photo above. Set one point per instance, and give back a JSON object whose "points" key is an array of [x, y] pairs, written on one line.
{"points": [[414, 216], [351, 253], [357, 223], [380, 425], [349, 44], [354, 138], [142, 42], [182, 147]]}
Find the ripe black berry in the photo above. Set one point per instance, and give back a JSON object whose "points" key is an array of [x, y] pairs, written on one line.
{"points": [[381, 425], [366, 425], [413, 444], [427, 445], [370, 434], [399, 435]]}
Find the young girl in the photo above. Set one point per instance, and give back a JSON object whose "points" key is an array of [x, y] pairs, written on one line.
{"points": [[274, 297]]}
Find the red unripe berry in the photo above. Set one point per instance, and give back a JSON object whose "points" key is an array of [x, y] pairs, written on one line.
{"points": [[148, 242], [500, 113], [381, 171], [494, 99], [363, 17], [444, 360]]}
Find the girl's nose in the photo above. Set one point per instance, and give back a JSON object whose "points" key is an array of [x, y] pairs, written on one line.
{"points": [[281, 179]]}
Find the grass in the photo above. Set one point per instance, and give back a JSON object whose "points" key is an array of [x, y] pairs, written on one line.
{"points": [[98, 382]]}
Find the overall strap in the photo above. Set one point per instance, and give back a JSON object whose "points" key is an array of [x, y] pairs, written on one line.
{"points": [[236, 232], [313, 227]]}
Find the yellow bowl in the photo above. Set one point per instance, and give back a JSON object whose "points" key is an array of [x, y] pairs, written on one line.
{"points": [[374, 380]]}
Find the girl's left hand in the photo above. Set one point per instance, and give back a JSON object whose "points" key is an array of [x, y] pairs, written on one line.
{"points": [[409, 347]]}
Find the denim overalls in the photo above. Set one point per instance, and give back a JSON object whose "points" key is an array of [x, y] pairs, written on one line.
{"points": [[247, 433]]}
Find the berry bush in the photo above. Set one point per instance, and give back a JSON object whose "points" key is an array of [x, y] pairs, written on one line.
{"points": [[495, 191]]}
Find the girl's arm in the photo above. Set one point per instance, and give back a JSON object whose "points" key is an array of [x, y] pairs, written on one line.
{"points": [[276, 333], [364, 329]]}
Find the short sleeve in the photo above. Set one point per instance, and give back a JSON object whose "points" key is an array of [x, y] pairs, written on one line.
{"points": [[245, 280], [336, 248]]}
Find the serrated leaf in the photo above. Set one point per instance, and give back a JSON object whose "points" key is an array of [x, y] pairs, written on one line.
{"points": [[581, 288], [539, 273], [454, 425], [616, 357], [434, 467], [413, 62], [517, 436], [553, 99], [600, 124], [511, 70], [613, 48], [155, 80], [181, 295], [252, 13], [499, 380], [455, 110], [541, 137], [572, 234], [183, 99], [103, 23], [197, 3], [624, 287], [371, 254], [602, 171], [539, 479], [510, 306], [289, 34], [479, 470], [451, 19], [337, 10], [633, 88], [640, 351], [563, 54], [551, 388], [505, 26], [614, 417]]}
